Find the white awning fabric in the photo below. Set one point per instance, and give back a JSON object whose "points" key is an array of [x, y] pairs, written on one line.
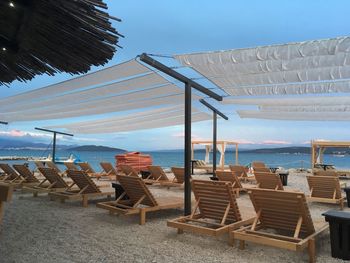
{"points": [[308, 108], [150, 119], [317, 66]]}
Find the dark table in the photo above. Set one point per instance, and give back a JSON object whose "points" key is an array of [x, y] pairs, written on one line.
{"points": [[324, 166], [284, 177], [192, 165], [273, 169]]}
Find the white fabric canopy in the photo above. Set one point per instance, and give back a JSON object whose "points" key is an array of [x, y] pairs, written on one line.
{"points": [[244, 71], [124, 70], [296, 116], [308, 108]]}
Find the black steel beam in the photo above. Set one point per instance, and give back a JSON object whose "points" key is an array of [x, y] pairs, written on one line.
{"points": [[156, 64], [188, 145], [213, 109], [58, 132]]}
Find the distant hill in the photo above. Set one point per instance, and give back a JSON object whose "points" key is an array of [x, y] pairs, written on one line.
{"points": [[292, 150], [95, 148]]}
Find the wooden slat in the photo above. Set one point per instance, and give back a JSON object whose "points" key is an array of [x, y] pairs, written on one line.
{"points": [[25, 173], [83, 181], [268, 181], [53, 177], [157, 173]]}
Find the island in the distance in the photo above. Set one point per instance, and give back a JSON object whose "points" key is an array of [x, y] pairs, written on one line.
{"points": [[95, 148]]}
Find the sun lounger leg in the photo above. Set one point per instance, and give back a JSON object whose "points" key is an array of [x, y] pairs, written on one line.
{"points": [[180, 231], [142, 216], [241, 244], [311, 250], [85, 201]]}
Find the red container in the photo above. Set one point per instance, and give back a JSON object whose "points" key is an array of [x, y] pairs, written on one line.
{"points": [[137, 160]]}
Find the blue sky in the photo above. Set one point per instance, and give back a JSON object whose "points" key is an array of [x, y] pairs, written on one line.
{"points": [[175, 27]]}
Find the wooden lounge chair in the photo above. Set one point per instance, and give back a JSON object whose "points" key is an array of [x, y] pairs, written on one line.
{"points": [[71, 166], [87, 189], [268, 181], [228, 176], [261, 170], [218, 210], [109, 170], [286, 217], [86, 167], [38, 164], [258, 164], [128, 170], [325, 189], [157, 175], [240, 172], [179, 175], [141, 200], [11, 176], [326, 173], [5, 196], [54, 166], [53, 181], [24, 172]]}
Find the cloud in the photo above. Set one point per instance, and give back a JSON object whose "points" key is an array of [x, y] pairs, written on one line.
{"points": [[182, 135], [244, 141], [275, 142], [23, 134]]}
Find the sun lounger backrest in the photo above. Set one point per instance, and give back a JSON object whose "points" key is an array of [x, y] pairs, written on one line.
{"points": [[229, 176], [261, 170], [9, 171], [82, 180], [53, 177], [39, 164], [324, 186], [136, 189], [214, 197], [52, 165], [238, 170], [179, 174], [25, 173], [108, 168], [86, 167], [281, 210], [268, 181], [157, 172], [325, 173], [71, 166], [128, 170], [258, 164]]}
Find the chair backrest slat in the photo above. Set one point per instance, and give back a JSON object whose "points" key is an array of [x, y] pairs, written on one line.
{"points": [[214, 197], [128, 170], [71, 166], [229, 176], [108, 168], [179, 173], [135, 189], [53, 177], [280, 210], [238, 170], [326, 173], [52, 165], [157, 173], [25, 173], [324, 186], [86, 167], [268, 181], [81, 179]]}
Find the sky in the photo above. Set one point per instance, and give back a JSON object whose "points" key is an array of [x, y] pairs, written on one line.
{"points": [[177, 27]]}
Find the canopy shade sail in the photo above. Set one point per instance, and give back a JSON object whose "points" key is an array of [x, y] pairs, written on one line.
{"points": [[157, 118], [50, 36], [319, 66]]}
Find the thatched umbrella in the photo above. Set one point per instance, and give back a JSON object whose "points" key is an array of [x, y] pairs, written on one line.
{"points": [[50, 36]]}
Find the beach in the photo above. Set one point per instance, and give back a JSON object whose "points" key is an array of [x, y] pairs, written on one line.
{"points": [[40, 230]]}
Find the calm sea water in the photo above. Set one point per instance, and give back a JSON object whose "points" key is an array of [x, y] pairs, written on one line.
{"points": [[175, 158]]}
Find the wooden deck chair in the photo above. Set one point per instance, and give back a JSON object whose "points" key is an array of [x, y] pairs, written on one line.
{"points": [[53, 182], [141, 200], [228, 176], [11, 175], [215, 211], [179, 175], [70, 166], [261, 170], [157, 175], [268, 181], [87, 189], [258, 164], [38, 164], [86, 167], [128, 170], [325, 189], [54, 166], [283, 221], [6, 191], [240, 172], [109, 170], [326, 173], [24, 172]]}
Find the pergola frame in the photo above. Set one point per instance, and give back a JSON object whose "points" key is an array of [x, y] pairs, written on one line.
{"points": [[222, 142], [318, 148]]}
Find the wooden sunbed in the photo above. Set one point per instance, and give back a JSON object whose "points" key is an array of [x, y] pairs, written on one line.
{"points": [[157, 175], [268, 181], [71, 166], [261, 170], [218, 210], [179, 175], [11, 176], [5, 196], [53, 183], [87, 189], [128, 170], [24, 172], [109, 170], [38, 164], [54, 166], [258, 164], [283, 221], [240, 172], [141, 201], [325, 189], [228, 176], [322, 172]]}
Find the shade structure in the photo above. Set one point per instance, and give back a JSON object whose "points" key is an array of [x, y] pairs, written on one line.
{"points": [[317, 66], [308, 108], [150, 119], [50, 36]]}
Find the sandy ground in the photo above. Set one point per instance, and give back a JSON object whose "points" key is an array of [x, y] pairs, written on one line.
{"points": [[39, 230]]}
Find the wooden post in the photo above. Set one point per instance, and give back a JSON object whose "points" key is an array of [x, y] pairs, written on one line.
{"points": [[236, 154]]}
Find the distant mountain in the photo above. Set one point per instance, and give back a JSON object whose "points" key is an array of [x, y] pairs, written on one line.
{"points": [[15, 144], [95, 148], [291, 150]]}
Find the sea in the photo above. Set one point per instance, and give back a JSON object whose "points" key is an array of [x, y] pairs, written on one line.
{"points": [[167, 159]]}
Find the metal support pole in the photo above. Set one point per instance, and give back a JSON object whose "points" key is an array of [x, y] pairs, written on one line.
{"points": [[215, 116], [188, 113], [54, 147]]}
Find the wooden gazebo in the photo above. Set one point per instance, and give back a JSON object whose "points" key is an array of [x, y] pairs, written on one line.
{"points": [[319, 147]]}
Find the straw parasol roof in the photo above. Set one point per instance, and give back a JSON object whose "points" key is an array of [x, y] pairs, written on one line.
{"points": [[51, 36]]}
